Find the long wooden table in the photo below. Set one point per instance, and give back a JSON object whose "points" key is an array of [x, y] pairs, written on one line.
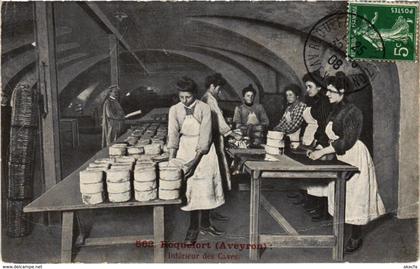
{"points": [[65, 197], [293, 167]]}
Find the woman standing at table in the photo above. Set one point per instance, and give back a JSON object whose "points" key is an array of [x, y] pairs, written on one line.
{"points": [[292, 119], [190, 139], [316, 115], [363, 202]]}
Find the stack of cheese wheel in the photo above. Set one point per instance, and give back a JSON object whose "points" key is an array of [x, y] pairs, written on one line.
{"points": [[152, 149], [169, 180], [119, 149], [145, 182], [275, 143], [92, 186], [118, 184], [126, 162]]}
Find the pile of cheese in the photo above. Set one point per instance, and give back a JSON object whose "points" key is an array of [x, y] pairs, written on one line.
{"points": [[274, 146], [170, 179]]}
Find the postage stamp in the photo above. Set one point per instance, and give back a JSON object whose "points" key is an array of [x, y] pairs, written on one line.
{"points": [[325, 52], [382, 31]]}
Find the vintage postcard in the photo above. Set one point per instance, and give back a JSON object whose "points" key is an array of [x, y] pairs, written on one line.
{"points": [[209, 132]]}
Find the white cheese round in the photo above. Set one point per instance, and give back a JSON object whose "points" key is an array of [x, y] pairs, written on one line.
{"points": [[119, 197], [113, 187], [91, 187], [93, 198], [168, 194], [89, 176], [275, 143], [169, 184], [275, 135], [143, 174], [272, 150], [144, 186], [117, 175], [144, 196]]}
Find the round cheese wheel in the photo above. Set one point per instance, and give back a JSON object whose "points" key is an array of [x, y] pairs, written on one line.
{"points": [[169, 184], [91, 187], [275, 135], [152, 149], [119, 197], [88, 176], [144, 196], [125, 159], [113, 187], [176, 162], [143, 141], [135, 150], [116, 151], [272, 150], [170, 173], [117, 175], [126, 166], [275, 143], [144, 186], [145, 174], [168, 194], [145, 165], [102, 168], [106, 165], [93, 198]]}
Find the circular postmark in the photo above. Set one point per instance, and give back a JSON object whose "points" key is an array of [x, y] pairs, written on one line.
{"points": [[325, 51]]}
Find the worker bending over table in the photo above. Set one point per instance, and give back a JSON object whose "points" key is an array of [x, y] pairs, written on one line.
{"points": [[190, 139], [363, 202]]}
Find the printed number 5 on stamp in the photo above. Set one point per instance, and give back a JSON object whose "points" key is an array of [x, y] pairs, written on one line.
{"points": [[382, 31]]}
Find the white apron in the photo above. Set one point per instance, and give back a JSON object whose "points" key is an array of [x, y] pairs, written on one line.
{"points": [[204, 188], [307, 139], [363, 202], [252, 119], [310, 130]]}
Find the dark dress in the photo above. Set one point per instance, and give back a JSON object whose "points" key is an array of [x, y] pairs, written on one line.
{"points": [[320, 110], [112, 121]]}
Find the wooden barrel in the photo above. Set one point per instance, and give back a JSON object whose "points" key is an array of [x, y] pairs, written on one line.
{"points": [[19, 224]]}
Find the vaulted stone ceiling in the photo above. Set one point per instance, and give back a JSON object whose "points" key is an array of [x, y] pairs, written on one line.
{"points": [[249, 42]]}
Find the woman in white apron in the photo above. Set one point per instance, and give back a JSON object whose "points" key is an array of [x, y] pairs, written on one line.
{"points": [[189, 139], [363, 202], [316, 116]]}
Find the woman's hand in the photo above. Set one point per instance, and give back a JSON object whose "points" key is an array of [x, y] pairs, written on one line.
{"points": [[315, 155], [236, 136], [189, 168]]}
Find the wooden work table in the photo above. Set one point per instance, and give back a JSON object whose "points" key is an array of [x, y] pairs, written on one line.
{"points": [[293, 167], [65, 197]]}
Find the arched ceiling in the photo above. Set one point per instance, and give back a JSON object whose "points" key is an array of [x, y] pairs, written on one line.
{"points": [[247, 47]]}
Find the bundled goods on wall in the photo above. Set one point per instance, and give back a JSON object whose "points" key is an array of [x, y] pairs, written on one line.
{"points": [[21, 158]]}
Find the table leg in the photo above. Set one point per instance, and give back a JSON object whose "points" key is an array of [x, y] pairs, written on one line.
{"points": [[159, 233], [254, 214], [67, 236], [339, 216], [81, 229]]}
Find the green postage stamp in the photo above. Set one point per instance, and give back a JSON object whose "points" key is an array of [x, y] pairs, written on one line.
{"points": [[382, 31]]}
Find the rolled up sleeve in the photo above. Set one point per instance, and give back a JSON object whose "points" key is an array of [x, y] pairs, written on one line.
{"points": [[204, 140], [173, 129]]}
